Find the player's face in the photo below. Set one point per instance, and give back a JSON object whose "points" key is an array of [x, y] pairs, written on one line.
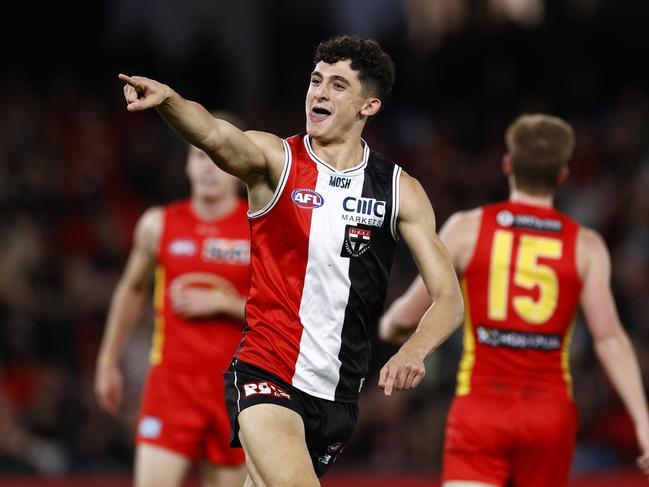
{"points": [[206, 178], [334, 101]]}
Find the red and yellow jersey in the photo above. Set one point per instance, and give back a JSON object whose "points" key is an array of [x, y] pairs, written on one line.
{"points": [[521, 291], [206, 254]]}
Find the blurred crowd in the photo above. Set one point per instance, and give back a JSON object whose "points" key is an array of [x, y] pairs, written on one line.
{"points": [[76, 171]]}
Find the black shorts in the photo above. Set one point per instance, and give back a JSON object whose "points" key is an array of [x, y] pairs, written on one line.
{"points": [[328, 425]]}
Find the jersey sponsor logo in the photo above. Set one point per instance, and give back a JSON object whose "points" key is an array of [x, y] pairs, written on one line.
{"points": [[307, 198], [150, 427], [339, 182], [506, 218], [266, 389], [226, 250], [357, 241], [366, 211], [517, 339]]}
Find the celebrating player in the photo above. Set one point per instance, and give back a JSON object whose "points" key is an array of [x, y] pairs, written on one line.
{"points": [[525, 268], [325, 214]]}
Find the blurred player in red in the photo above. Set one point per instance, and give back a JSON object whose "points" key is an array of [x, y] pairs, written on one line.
{"points": [[200, 252], [525, 268]]}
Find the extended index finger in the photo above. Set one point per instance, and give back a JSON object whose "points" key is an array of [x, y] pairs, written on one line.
{"points": [[130, 80]]}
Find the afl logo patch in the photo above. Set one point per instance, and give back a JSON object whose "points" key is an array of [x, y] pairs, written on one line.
{"points": [[182, 247], [505, 218], [307, 198]]}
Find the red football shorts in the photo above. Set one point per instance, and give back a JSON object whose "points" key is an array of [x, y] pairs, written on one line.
{"points": [[496, 440], [185, 412]]}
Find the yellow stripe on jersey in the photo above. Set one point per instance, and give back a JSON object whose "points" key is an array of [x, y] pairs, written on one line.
{"points": [[500, 261], [468, 355], [158, 305], [565, 356]]}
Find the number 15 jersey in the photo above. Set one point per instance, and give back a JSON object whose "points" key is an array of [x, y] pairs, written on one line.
{"points": [[521, 291]]}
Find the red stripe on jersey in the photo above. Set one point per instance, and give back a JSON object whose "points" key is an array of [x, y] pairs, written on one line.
{"points": [[522, 290], [280, 251]]}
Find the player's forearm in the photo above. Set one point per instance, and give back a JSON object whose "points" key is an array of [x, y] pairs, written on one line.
{"points": [[618, 358], [438, 323], [190, 120], [399, 320], [125, 307], [407, 311], [235, 307]]}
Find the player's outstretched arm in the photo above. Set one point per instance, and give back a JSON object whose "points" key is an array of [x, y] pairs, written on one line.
{"points": [[417, 227], [251, 156], [612, 343], [126, 304], [459, 235]]}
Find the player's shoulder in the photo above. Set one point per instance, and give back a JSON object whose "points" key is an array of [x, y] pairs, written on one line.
{"points": [[591, 242], [592, 252], [149, 226], [270, 145], [462, 226], [464, 217], [410, 183], [265, 140], [380, 163]]}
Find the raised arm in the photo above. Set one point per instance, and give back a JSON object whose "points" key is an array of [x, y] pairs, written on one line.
{"points": [[417, 227], [459, 235], [612, 344], [254, 157], [126, 304]]}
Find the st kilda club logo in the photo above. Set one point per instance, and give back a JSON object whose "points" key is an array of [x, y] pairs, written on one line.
{"points": [[357, 241]]}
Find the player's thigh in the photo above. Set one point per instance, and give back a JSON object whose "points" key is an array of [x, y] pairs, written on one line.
{"points": [[551, 434], [477, 443], [466, 483], [274, 441], [159, 467], [222, 475]]}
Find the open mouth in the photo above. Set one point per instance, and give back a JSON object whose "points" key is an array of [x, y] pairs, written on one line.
{"points": [[321, 111], [317, 114]]}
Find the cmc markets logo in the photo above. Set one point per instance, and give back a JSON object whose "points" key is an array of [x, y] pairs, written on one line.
{"points": [[307, 198]]}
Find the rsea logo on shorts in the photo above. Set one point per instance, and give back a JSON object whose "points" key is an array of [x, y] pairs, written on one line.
{"points": [[307, 198], [266, 389]]}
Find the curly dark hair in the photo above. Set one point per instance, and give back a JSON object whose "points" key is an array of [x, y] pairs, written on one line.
{"points": [[376, 69]]}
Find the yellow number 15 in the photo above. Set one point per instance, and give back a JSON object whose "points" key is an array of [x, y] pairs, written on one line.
{"points": [[528, 274]]}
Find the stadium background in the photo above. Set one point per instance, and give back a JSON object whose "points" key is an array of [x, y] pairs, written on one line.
{"points": [[76, 170]]}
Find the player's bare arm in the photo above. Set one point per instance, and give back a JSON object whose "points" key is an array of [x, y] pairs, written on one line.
{"points": [[611, 342], [459, 235], [257, 158], [417, 227], [127, 302]]}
